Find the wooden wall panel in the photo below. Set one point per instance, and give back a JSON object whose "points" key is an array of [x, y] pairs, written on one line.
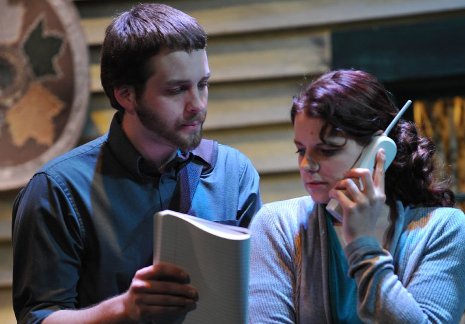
{"points": [[6, 201], [6, 253], [6, 308], [283, 185], [262, 56], [6, 264], [221, 17], [6, 257], [270, 55], [271, 148], [245, 104]]}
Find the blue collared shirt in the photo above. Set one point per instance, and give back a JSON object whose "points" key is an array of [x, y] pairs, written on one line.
{"points": [[84, 224]]}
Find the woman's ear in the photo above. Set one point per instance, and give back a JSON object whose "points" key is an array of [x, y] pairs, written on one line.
{"points": [[126, 97]]}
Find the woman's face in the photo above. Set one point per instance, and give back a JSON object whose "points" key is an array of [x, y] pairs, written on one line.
{"points": [[322, 164]]}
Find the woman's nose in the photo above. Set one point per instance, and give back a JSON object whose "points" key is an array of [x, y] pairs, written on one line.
{"points": [[309, 164]]}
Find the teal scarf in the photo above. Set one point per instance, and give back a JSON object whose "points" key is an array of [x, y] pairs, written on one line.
{"points": [[342, 288]]}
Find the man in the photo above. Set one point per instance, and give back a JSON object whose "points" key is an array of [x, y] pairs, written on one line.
{"points": [[82, 232]]}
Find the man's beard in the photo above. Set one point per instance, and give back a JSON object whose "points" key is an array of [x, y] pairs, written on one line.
{"points": [[151, 122]]}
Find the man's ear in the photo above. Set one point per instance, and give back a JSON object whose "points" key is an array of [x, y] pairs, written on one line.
{"points": [[126, 97]]}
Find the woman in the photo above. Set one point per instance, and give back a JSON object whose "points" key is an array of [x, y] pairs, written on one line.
{"points": [[399, 254]]}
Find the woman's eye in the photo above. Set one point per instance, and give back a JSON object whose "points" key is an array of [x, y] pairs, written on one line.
{"points": [[203, 85], [329, 151], [300, 151]]}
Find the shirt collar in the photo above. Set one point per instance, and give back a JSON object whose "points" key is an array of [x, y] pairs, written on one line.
{"points": [[133, 161]]}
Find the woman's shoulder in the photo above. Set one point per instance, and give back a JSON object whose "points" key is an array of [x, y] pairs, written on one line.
{"points": [[439, 219], [436, 213], [292, 203], [290, 213]]}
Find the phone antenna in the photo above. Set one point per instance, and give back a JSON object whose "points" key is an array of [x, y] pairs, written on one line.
{"points": [[396, 119]]}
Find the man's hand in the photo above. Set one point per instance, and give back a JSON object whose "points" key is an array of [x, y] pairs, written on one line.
{"points": [[161, 293]]}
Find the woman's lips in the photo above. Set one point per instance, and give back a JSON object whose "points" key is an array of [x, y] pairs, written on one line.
{"points": [[315, 184]]}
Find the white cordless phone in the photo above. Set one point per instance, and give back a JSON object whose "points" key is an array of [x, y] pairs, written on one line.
{"points": [[368, 157]]}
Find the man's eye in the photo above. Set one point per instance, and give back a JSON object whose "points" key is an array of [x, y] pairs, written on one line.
{"points": [[203, 85], [175, 91]]}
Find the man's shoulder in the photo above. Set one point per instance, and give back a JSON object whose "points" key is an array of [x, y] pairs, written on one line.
{"points": [[75, 158], [223, 153], [225, 150]]}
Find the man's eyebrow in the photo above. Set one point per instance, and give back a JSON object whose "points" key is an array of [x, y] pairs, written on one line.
{"points": [[177, 82], [185, 81]]}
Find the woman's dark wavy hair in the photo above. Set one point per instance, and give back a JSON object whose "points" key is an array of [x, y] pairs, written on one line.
{"points": [[136, 36], [357, 104]]}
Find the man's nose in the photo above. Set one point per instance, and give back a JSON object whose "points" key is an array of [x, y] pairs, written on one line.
{"points": [[197, 101]]}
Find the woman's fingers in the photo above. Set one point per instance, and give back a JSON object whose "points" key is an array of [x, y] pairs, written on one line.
{"points": [[378, 173]]}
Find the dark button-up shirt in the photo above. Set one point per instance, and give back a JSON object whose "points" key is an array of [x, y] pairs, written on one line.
{"points": [[84, 224]]}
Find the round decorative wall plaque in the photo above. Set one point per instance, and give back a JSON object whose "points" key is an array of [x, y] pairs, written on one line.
{"points": [[44, 85]]}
